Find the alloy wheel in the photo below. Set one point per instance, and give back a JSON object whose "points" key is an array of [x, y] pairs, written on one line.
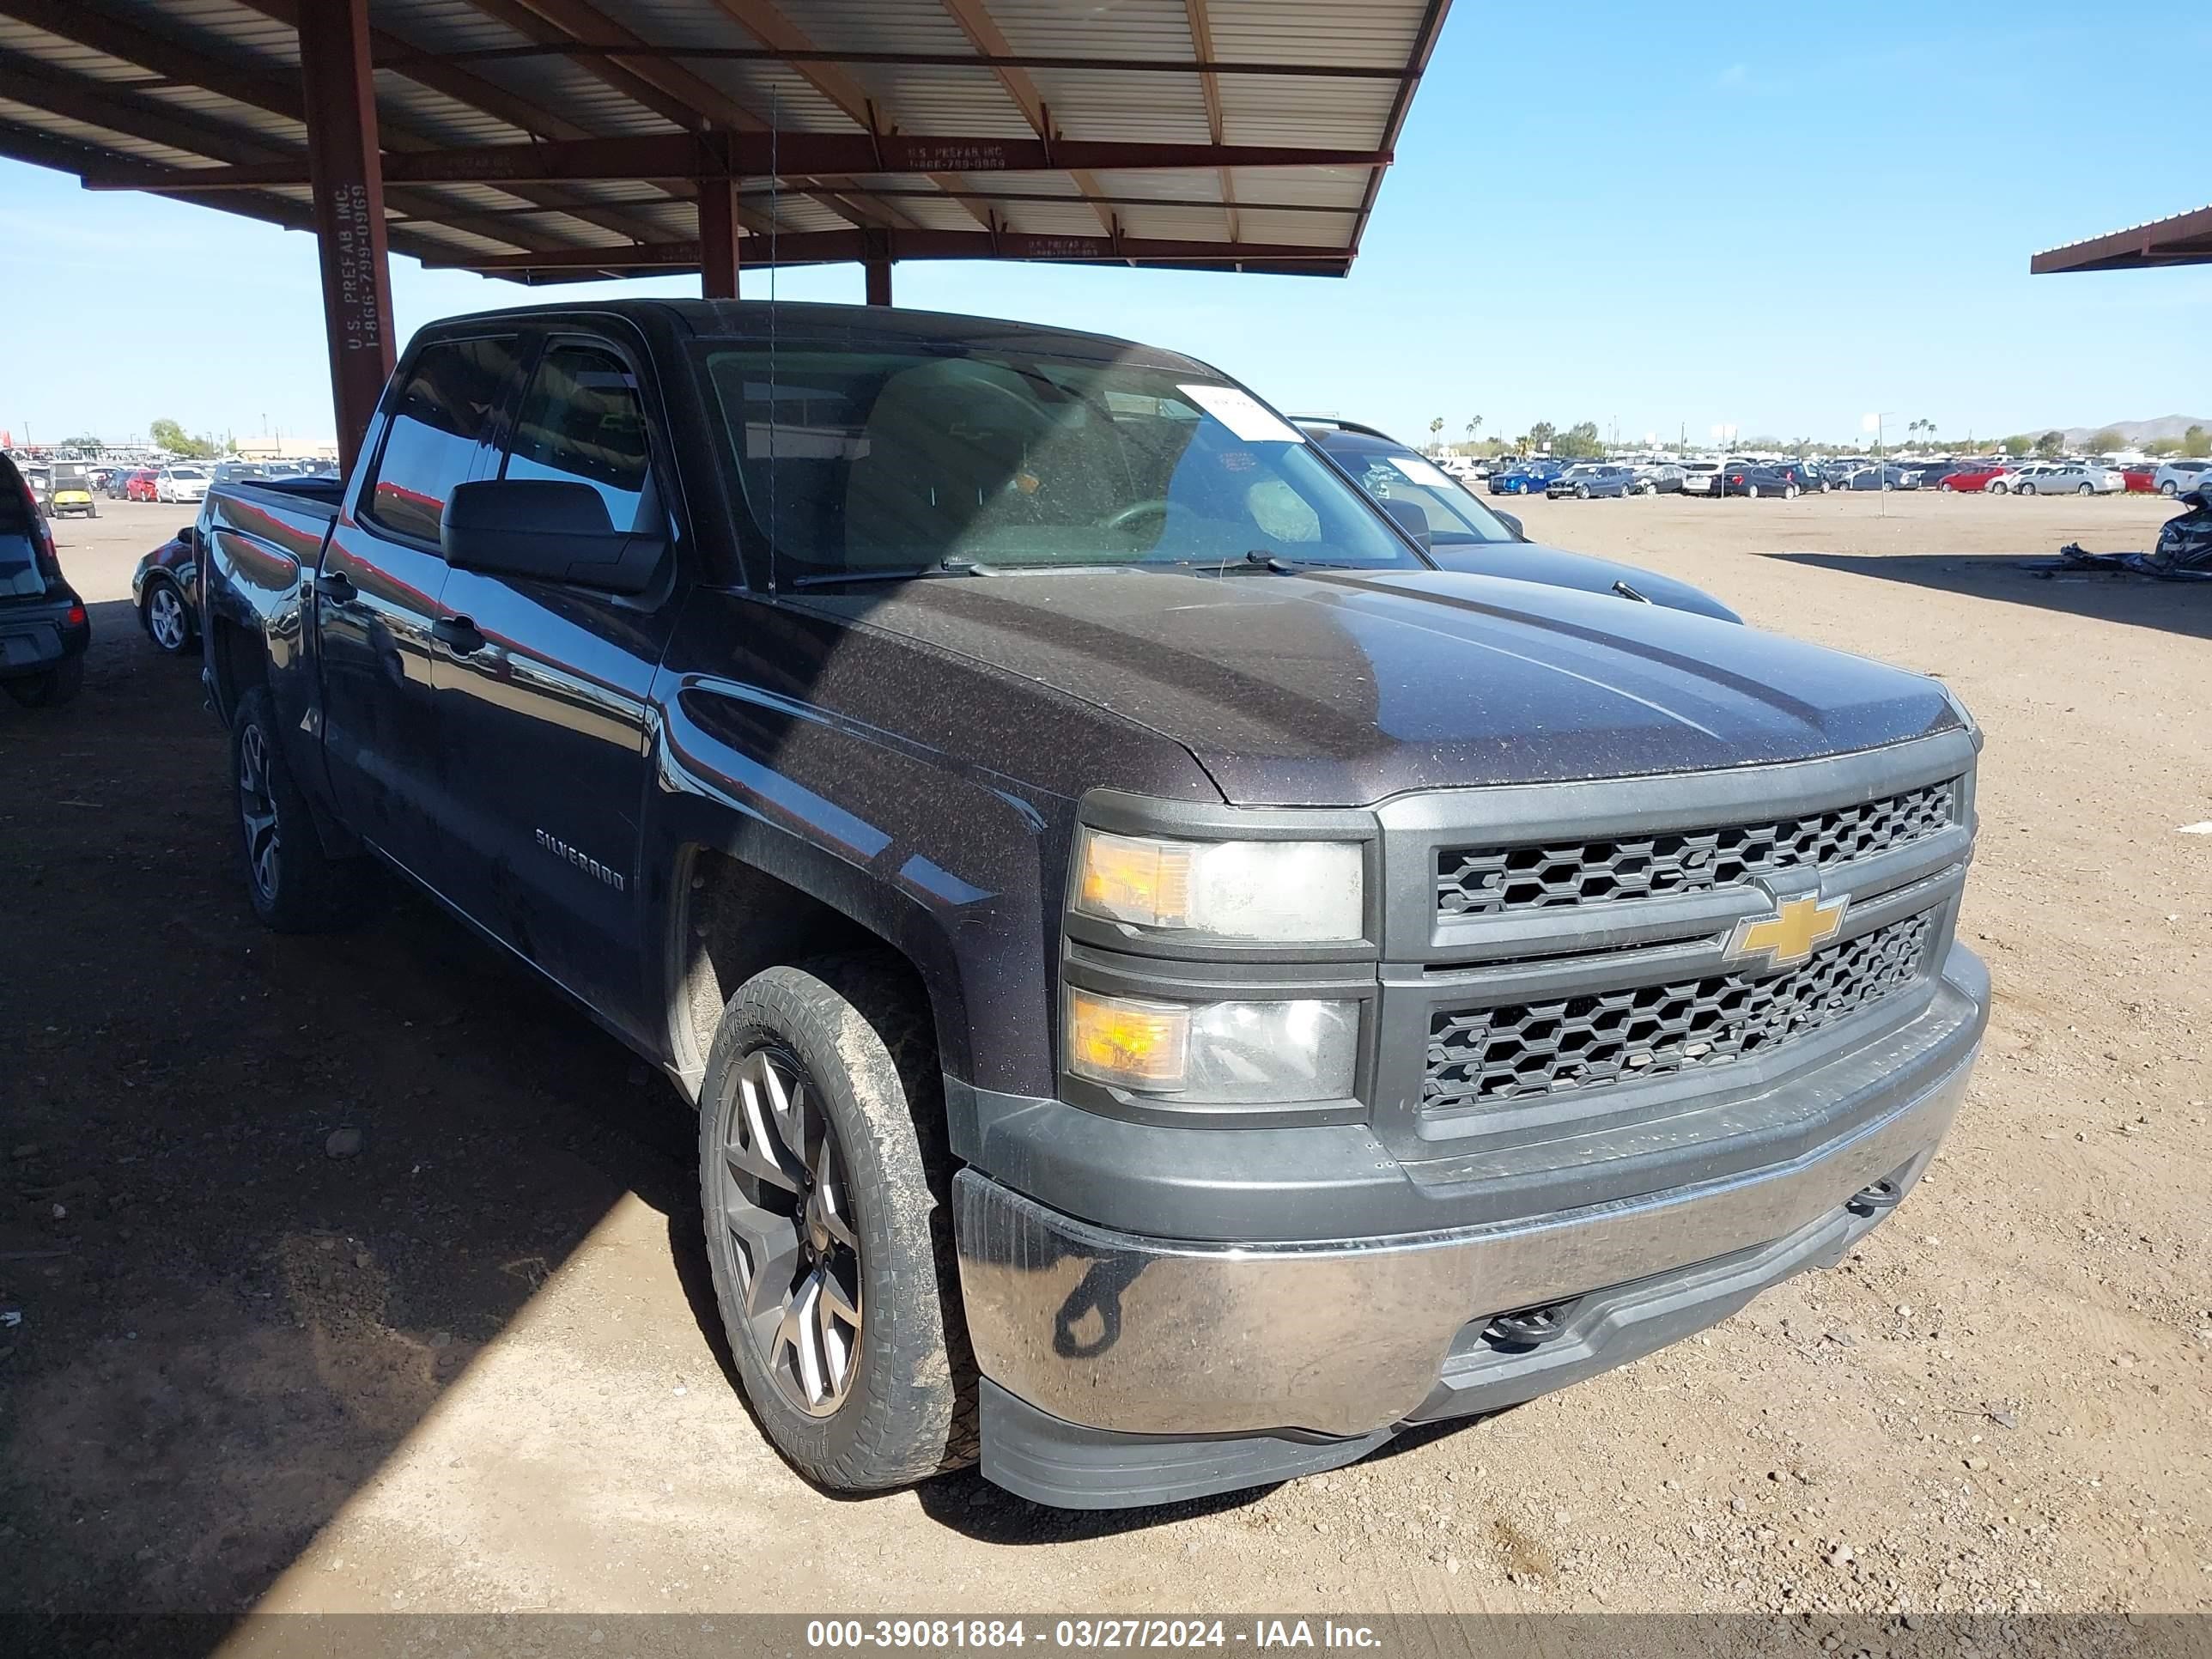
{"points": [[165, 617], [257, 811], [786, 1214]]}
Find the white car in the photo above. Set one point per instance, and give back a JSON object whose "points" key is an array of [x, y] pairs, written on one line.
{"points": [[2180, 478], [2059, 478], [181, 484]]}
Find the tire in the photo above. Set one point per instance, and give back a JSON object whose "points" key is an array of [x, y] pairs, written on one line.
{"points": [[2000, 489], [2169, 488], [1751, 492], [1789, 492], [1944, 489], [2084, 490], [1582, 492], [2027, 489], [294, 886], [166, 618], [58, 685], [845, 1044]]}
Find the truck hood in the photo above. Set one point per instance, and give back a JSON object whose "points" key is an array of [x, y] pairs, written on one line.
{"points": [[1533, 562], [1338, 689]]}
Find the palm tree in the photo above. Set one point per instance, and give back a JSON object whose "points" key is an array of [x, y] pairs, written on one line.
{"points": [[1473, 426], [1436, 432]]}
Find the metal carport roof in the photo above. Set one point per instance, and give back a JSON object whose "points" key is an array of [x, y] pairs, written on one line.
{"points": [[561, 139], [2183, 239]]}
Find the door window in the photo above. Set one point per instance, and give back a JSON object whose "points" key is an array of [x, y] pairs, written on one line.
{"points": [[453, 391], [584, 423]]}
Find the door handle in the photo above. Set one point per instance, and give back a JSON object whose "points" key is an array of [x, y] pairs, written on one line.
{"points": [[337, 587], [457, 633]]}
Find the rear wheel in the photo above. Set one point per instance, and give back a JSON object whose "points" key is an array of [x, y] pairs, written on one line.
{"points": [[2027, 489], [51, 689], [168, 623], [2084, 490], [823, 1183], [295, 886], [1789, 492], [1751, 492]]}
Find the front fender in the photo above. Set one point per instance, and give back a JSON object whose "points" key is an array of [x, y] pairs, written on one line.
{"points": [[948, 863]]}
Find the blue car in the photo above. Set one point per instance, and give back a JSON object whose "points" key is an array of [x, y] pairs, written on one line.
{"points": [[1524, 478]]}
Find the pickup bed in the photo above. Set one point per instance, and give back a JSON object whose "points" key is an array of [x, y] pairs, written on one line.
{"points": [[1176, 988]]}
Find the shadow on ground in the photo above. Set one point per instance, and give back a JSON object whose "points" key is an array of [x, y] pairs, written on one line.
{"points": [[2183, 608], [223, 1329]]}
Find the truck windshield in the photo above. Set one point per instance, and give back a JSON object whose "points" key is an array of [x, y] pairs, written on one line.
{"points": [[856, 462]]}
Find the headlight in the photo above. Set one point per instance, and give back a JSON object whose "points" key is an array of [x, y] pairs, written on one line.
{"points": [[1279, 891], [1214, 1053]]}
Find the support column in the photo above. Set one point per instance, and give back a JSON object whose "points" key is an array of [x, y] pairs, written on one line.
{"points": [[875, 261], [718, 238], [347, 171]]}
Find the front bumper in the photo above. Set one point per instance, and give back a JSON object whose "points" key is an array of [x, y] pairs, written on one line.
{"points": [[1123, 1370]]}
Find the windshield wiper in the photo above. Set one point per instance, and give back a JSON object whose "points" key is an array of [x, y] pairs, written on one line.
{"points": [[1257, 560], [954, 567]]}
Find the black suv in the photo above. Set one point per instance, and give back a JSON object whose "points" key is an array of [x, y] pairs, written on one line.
{"points": [[43, 628]]}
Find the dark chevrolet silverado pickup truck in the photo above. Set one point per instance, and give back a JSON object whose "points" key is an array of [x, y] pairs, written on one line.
{"points": [[1176, 988]]}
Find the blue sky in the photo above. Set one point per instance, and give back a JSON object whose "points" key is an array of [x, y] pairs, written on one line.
{"points": [[1777, 218]]}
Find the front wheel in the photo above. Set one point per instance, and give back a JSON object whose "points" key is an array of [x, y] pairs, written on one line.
{"points": [[821, 1129], [2027, 489], [2169, 488], [1582, 492], [2000, 489]]}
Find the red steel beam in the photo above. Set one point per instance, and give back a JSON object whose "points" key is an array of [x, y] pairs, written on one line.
{"points": [[864, 246], [819, 154], [717, 239], [335, 72]]}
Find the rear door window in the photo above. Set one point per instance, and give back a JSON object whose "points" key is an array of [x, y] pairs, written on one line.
{"points": [[444, 411], [583, 422], [20, 577]]}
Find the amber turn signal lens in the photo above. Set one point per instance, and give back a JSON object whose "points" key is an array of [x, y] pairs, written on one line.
{"points": [[1119, 1039]]}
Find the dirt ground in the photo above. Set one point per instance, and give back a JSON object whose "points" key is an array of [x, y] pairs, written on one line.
{"points": [[472, 1367]]}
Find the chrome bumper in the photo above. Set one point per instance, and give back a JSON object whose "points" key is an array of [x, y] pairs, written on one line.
{"points": [[1152, 1336]]}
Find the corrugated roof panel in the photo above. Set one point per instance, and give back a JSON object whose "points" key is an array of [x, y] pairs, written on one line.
{"points": [[1330, 114], [1305, 229], [84, 132], [1375, 33], [1194, 223], [1129, 107], [58, 53], [1122, 28], [1341, 187], [1200, 184], [966, 103], [562, 85]]}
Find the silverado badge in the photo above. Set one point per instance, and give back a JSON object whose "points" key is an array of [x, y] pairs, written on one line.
{"points": [[1787, 936]]}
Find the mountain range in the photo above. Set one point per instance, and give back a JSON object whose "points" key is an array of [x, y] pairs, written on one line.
{"points": [[2139, 432]]}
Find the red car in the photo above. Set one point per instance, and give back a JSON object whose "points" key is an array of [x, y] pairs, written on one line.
{"points": [[138, 487], [1972, 477], [2140, 478]]}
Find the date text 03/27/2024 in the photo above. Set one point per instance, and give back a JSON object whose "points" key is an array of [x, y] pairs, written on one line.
{"points": [[1086, 1634]]}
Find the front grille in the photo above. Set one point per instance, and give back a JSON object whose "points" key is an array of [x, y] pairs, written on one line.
{"points": [[1480, 882], [1482, 1056]]}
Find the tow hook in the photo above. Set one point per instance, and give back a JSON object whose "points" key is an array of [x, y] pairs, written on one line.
{"points": [[1873, 1200], [1529, 1328]]}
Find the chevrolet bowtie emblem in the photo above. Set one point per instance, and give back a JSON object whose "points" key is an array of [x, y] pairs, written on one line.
{"points": [[1790, 934]]}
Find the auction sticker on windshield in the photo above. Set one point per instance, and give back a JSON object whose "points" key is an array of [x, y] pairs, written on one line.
{"points": [[1242, 414]]}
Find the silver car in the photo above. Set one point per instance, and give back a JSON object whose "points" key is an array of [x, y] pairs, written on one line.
{"points": [[2180, 478], [2059, 478]]}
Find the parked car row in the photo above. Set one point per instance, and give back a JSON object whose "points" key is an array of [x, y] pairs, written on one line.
{"points": [[188, 481]]}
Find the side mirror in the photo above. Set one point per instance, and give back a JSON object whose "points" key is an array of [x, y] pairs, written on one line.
{"points": [[545, 530], [1412, 518], [1512, 522]]}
